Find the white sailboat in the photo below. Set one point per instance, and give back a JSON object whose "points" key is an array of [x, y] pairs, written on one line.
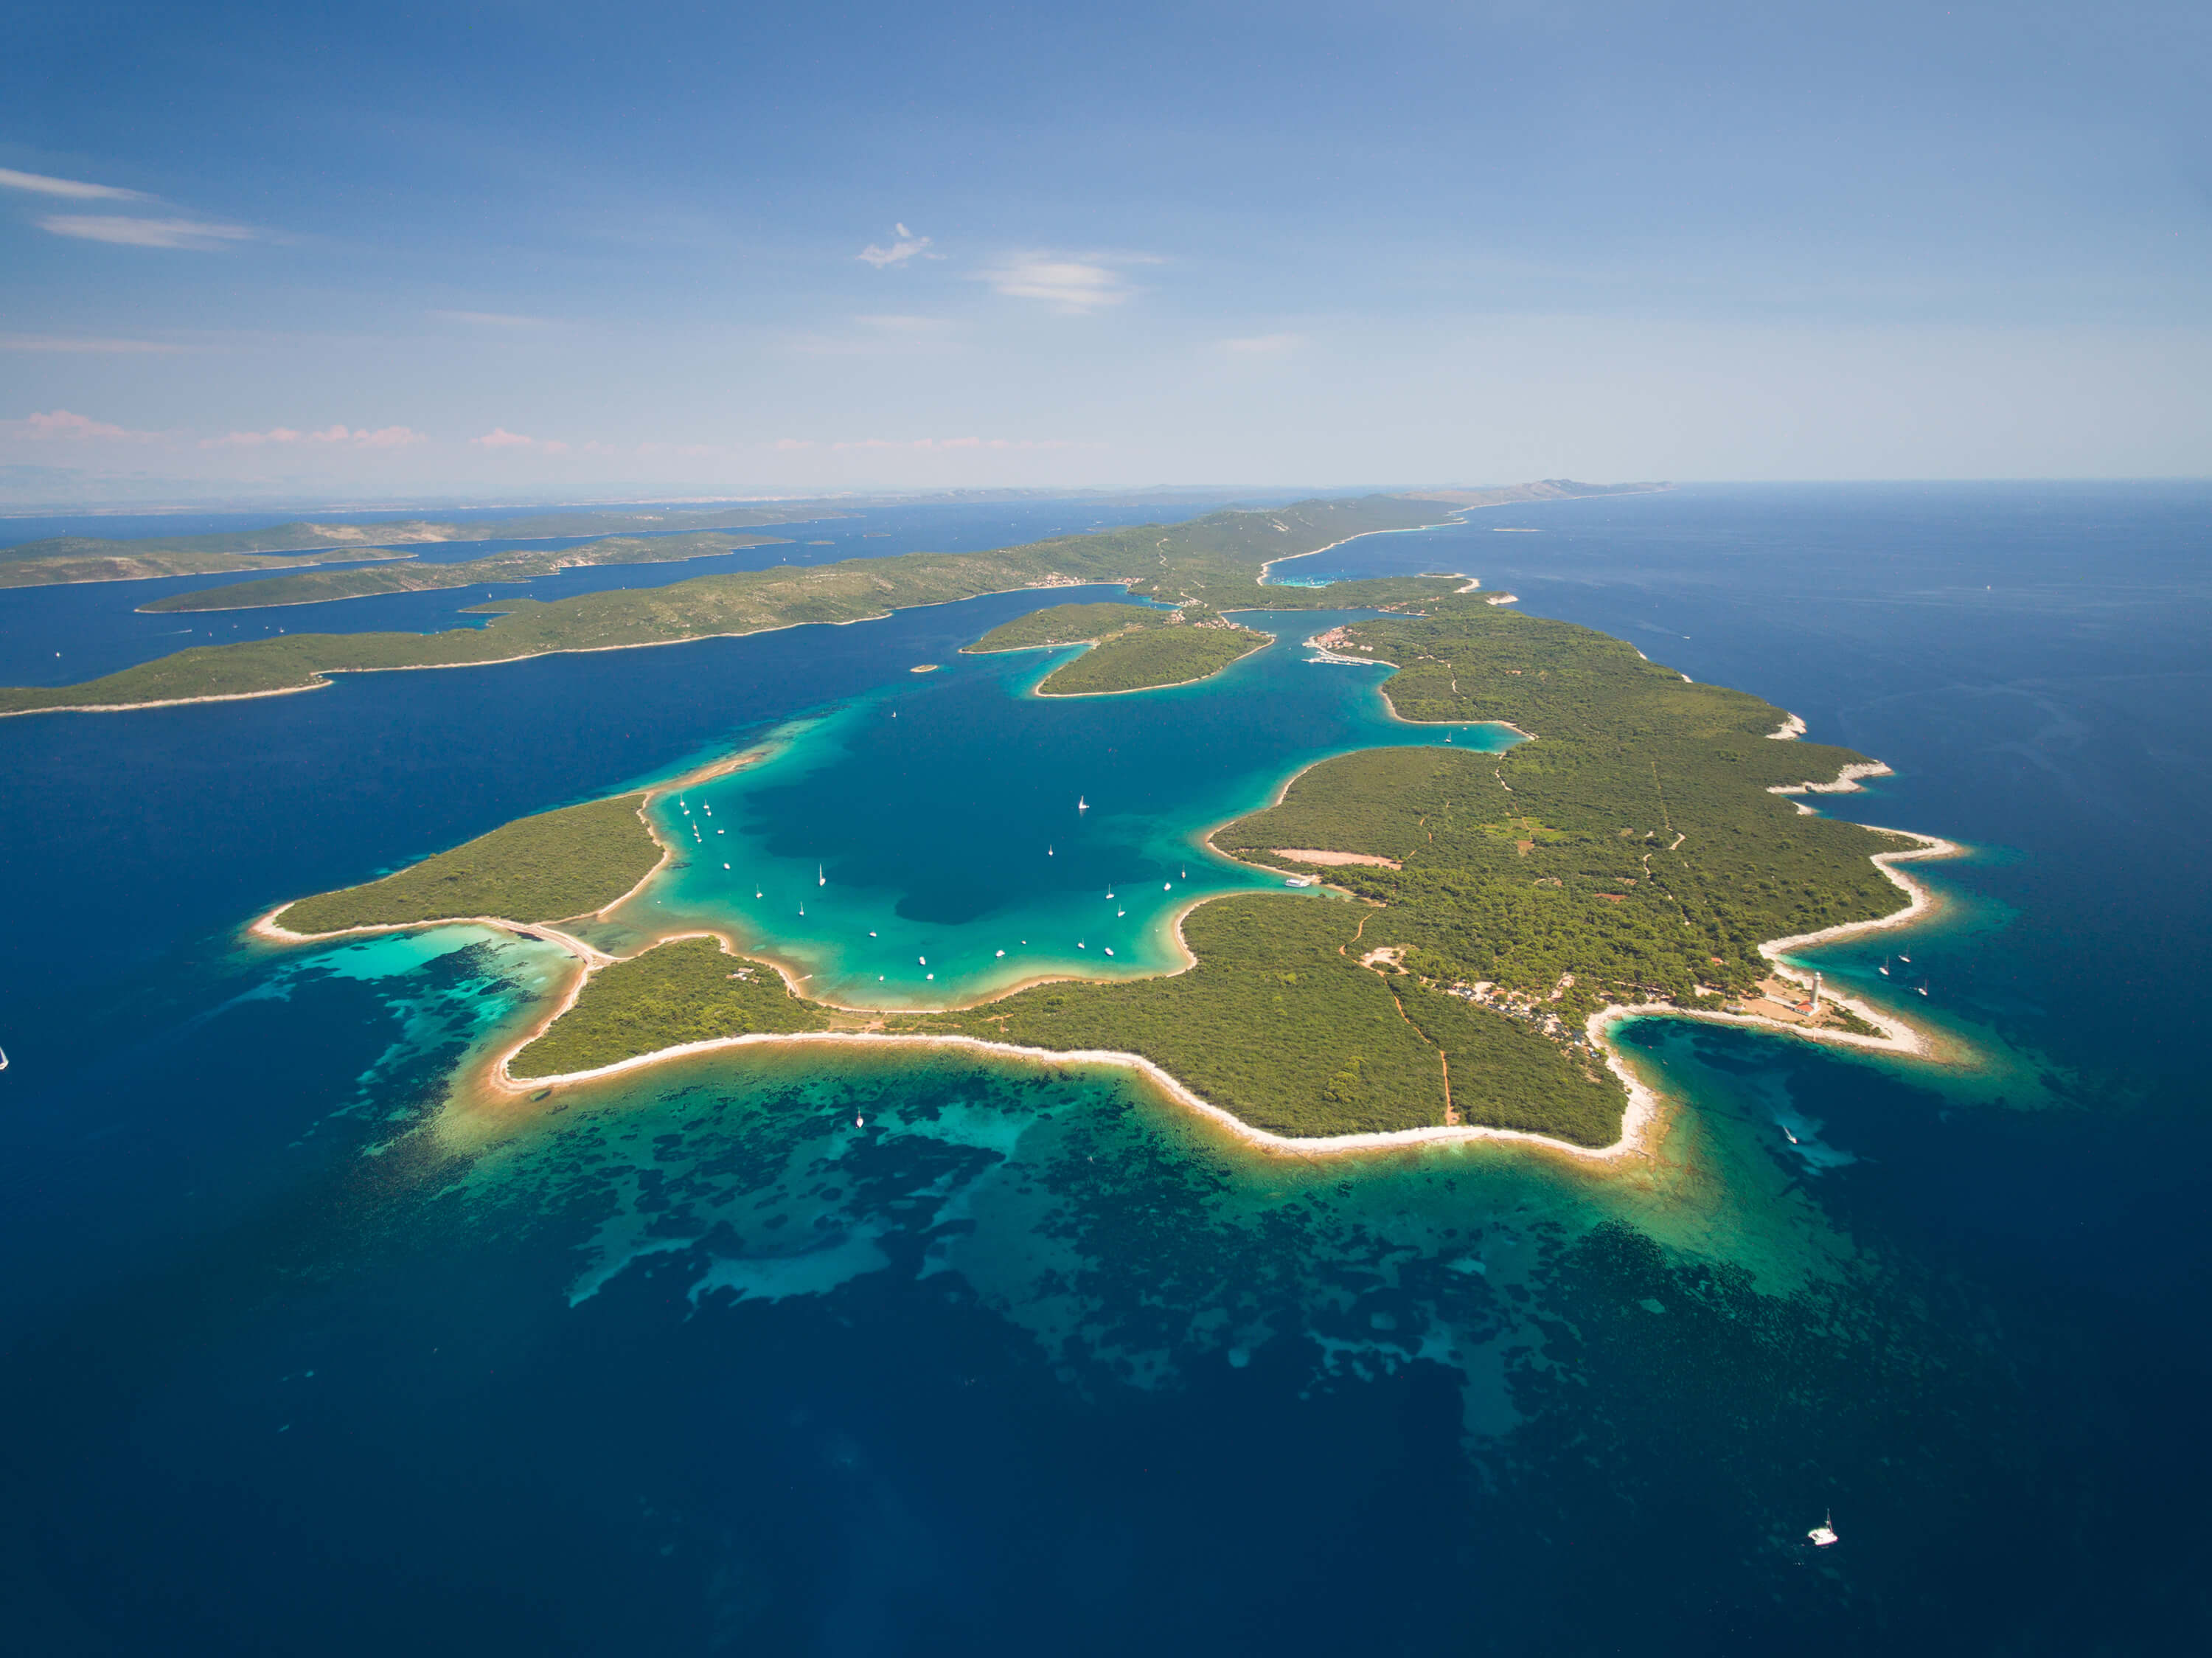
{"points": [[1884, 969], [1081, 804], [820, 879], [1824, 1534]]}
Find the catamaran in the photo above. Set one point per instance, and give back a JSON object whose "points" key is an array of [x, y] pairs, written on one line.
{"points": [[1824, 1534]]}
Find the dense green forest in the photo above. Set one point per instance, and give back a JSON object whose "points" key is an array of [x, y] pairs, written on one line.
{"points": [[1280, 1025], [413, 575], [1142, 659], [556, 865], [1215, 559], [1632, 848], [691, 990], [1275, 1024], [1066, 624]]}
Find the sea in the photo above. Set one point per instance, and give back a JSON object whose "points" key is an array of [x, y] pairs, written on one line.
{"points": [[310, 1344]]}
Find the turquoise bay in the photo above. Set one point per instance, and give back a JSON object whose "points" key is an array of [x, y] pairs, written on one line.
{"points": [[948, 837]]}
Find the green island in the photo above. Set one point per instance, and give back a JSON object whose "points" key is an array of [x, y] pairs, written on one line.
{"points": [[522, 565], [71, 558], [1215, 560], [1133, 647], [1480, 907], [546, 868]]}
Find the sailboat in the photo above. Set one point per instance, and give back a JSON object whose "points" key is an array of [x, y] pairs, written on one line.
{"points": [[820, 880], [1923, 987], [1081, 804], [1110, 892], [802, 907], [1047, 852], [1884, 969], [1906, 959], [1824, 1534]]}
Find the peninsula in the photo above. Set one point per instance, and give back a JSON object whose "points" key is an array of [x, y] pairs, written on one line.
{"points": [[1486, 915]]}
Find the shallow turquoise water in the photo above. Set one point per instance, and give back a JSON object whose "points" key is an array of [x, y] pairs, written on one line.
{"points": [[936, 1354], [954, 833]]}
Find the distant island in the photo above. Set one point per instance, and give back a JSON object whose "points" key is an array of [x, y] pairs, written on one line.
{"points": [[69, 559], [521, 564], [1217, 560], [1486, 917], [1133, 647]]}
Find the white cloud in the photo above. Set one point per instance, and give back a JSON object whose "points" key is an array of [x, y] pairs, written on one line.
{"points": [[384, 437], [75, 343], [898, 252], [1265, 344], [489, 319], [196, 234], [1076, 286], [935, 443], [74, 189], [500, 438], [61, 424], [909, 325]]}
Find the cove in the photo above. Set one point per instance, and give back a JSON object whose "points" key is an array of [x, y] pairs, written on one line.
{"points": [[945, 839]]}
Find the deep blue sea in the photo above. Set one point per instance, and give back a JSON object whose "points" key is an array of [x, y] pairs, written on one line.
{"points": [[306, 1349]]}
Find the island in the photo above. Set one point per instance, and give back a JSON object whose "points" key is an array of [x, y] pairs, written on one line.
{"points": [[69, 559], [1467, 927], [1217, 560], [1131, 647], [521, 564]]}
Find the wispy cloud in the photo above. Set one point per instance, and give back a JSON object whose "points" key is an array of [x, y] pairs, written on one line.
{"points": [[500, 438], [199, 235], [1076, 284], [78, 343], [60, 423], [927, 443], [909, 325], [39, 184], [1265, 344], [383, 437], [489, 319], [899, 251]]}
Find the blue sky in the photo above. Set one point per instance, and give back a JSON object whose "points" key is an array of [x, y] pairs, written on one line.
{"points": [[522, 248]]}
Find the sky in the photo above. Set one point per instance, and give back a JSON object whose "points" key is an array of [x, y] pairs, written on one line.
{"points": [[552, 249]]}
